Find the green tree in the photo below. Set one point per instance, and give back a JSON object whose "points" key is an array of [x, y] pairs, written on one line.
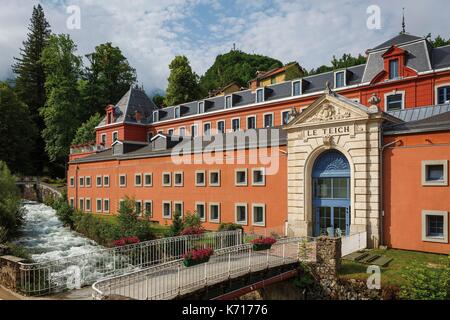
{"points": [[108, 78], [30, 80], [346, 61], [86, 133], [11, 215], [17, 131], [183, 82], [440, 42], [62, 112], [177, 224], [235, 66], [158, 100]]}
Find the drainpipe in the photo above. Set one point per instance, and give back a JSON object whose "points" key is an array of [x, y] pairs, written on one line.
{"points": [[382, 148]]}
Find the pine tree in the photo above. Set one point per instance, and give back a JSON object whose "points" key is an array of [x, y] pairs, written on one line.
{"points": [[183, 82], [30, 81]]}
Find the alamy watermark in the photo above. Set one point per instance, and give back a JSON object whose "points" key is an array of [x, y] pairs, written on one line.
{"points": [[374, 19], [73, 22]]}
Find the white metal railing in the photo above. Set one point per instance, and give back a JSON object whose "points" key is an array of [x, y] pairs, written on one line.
{"points": [[167, 281], [353, 243], [81, 270]]}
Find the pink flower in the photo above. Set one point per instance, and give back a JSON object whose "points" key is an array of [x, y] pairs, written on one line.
{"points": [[198, 254], [264, 241]]}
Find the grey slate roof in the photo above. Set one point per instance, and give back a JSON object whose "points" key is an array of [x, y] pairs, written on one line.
{"points": [[397, 40], [440, 122], [441, 57], [417, 114]]}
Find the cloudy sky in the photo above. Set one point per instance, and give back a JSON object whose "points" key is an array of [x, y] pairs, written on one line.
{"points": [[152, 32]]}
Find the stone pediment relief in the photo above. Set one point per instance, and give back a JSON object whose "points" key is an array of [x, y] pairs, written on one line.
{"points": [[329, 112]]}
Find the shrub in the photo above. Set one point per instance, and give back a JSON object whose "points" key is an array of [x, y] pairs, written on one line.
{"points": [[264, 241], [11, 214], [126, 241], [229, 227], [19, 251], [198, 254], [192, 231], [177, 224], [192, 221]]}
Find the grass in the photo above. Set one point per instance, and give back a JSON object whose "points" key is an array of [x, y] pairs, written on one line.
{"points": [[158, 230], [392, 274]]}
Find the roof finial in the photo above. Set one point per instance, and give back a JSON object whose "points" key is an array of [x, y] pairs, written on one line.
{"points": [[403, 23], [328, 88]]}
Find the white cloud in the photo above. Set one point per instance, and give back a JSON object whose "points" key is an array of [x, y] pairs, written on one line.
{"points": [[152, 32]]}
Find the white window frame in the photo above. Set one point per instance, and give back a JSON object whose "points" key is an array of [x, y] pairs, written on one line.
{"points": [[210, 128], [155, 113], [259, 205], [259, 184], [106, 185], [138, 184], [86, 178], [388, 94], [425, 164], [72, 182], [192, 133], [204, 178], [169, 131], [436, 90], [236, 205], [151, 180], [282, 118], [170, 179], [209, 178], [72, 202], [263, 95], [120, 184], [175, 184], [425, 237], [103, 135], [246, 121], [145, 205], [241, 184], [81, 207], [86, 200], [179, 131], [264, 119], [97, 209], [210, 205], [79, 182], [112, 136], [167, 217], [175, 112], [200, 106], [231, 101], [232, 119], [104, 206], [182, 207], [301, 87], [204, 208], [224, 126], [99, 185], [335, 78], [135, 209]]}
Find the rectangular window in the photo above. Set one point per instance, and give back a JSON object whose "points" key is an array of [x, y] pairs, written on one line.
{"points": [[200, 179], [201, 107], [268, 120], [123, 180], [393, 69], [394, 102], [296, 88], [178, 207], [167, 210], [251, 122], [81, 182], [339, 79], [148, 209], [170, 132], [214, 178], [166, 179], [228, 102], [155, 116], [260, 95], [207, 129], [88, 182], [88, 204], [98, 205], [106, 181], [72, 202], [236, 124], [103, 139], [435, 226], [115, 136], [81, 204], [241, 177], [258, 177], [200, 209], [241, 213], [99, 181], [177, 112], [138, 207], [194, 131], [138, 180], [178, 179], [148, 180], [331, 188], [106, 206], [214, 212], [285, 115], [259, 215], [182, 132], [72, 182], [444, 95], [221, 126], [435, 173]]}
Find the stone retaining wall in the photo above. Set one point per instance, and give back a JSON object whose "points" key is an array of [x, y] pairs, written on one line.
{"points": [[10, 272]]}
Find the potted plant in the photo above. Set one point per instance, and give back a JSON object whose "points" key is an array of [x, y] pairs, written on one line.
{"points": [[263, 244], [197, 256]]}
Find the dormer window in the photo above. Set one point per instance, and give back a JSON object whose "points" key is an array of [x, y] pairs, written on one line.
{"points": [[339, 79], [393, 69], [177, 112], [201, 107], [228, 102], [297, 88], [155, 116], [260, 95], [115, 136]]}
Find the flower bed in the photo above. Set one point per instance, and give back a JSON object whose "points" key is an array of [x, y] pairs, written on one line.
{"points": [[197, 256], [261, 244], [192, 231], [125, 241]]}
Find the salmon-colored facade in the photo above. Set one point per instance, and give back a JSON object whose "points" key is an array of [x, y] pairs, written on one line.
{"points": [[383, 127]]}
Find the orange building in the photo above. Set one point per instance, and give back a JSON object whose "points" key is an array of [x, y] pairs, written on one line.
{"points": [[362, 149]]}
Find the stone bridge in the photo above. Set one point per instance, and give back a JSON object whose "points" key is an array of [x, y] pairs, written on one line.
{"points": [[33, 189]]}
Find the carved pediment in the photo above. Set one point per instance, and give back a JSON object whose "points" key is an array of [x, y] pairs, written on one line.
{"points": [[329, 112]]}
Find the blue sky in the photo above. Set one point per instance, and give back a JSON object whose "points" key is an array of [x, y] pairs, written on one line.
{"points": [[152, 32]]}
